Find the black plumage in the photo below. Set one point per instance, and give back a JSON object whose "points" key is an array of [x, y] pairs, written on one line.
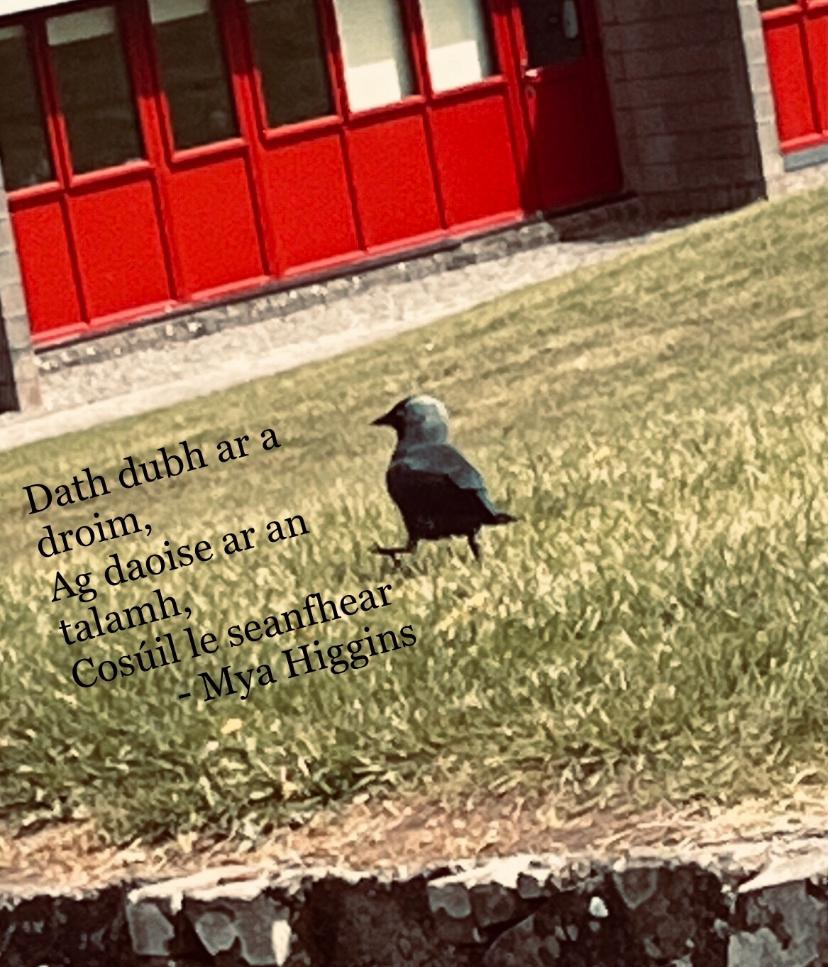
{"points": [[438, 492]]}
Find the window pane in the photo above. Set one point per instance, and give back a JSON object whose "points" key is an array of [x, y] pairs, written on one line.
{"points": [[23, 148], [290, 57], [377, 68], [94, 89], [193, 73], [552, 30], [458, 42]]}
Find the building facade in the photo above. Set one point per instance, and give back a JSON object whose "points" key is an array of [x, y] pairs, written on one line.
{"points": [[164, 154]]}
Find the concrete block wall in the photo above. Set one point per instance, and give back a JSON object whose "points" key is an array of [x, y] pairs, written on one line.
{"points": [[764, 111], [680, 78], [19, 386]]}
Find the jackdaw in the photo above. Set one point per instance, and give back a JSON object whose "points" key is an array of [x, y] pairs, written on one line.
{"points": [[438, 492]]}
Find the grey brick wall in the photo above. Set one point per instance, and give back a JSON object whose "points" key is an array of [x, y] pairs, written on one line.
{"points": [[680, 75], [19, 388]]}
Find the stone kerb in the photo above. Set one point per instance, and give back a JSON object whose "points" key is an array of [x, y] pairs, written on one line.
{"points": [[754, 905]]}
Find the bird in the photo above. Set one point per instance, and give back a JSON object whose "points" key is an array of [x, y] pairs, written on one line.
{"points": [[438, 492]]}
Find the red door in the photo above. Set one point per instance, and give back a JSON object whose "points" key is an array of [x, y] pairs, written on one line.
{"points": [[795, 40], [387, 137], [295, 123], [202, 160], [565, 102], [468, 74], [393, 118], [82, 192]]}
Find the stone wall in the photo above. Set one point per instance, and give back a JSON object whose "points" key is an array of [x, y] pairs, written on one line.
{"points": [[680, 82], [749, 906], [18, 371]]}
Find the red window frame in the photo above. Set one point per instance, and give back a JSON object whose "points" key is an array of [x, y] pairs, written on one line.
{"points": [[285, 132]]}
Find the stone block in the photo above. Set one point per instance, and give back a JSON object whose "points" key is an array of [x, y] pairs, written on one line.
{"points": [[240, 924], [154, 912], [670, 910], [782, 914], [69, 929]]}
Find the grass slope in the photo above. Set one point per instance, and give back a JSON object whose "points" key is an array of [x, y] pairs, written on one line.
{"points": [[652, 630]]}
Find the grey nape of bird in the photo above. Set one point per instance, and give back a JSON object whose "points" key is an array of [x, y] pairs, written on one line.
{"points": [[438, 492]]}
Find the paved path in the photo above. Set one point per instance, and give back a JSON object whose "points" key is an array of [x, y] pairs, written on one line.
{"points": [[171, 372]]}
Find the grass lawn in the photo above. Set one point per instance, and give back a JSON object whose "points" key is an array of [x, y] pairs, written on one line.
{"points": [[652, 630]]}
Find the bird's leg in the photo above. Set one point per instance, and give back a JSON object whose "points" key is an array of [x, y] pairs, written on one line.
{"points": [[475, 547], [394, 552]]}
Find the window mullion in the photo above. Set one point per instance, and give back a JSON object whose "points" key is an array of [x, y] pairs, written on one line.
{"points": [[55, 122]]}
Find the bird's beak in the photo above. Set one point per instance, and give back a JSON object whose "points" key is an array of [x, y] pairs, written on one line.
{"points": [[386, 420]]}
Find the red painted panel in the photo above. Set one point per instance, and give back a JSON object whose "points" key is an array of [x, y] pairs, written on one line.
{"points": [[213, 225], [605, 164], [571, 137], [119, 248], [789, 78], [306, 192], [393, 180], [817, 42], [51, 293], [475, 161]]}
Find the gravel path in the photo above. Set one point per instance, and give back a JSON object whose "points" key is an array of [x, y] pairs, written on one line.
{"points": [[173, 371]]}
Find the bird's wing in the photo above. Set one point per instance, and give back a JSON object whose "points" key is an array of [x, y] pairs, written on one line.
{"points": [[434, 485], [444, 460]]}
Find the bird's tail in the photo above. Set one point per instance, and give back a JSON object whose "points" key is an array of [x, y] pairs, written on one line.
{"points": [[503, 518]]}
